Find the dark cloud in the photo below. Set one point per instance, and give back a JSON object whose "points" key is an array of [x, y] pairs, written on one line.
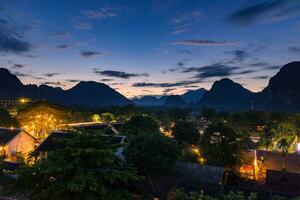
{"points": [[294, 49], [106, 80], [218, 70], [17, 66], [197, 42], [90, 53], [51, 74], [168, 90], [52, 83], [11, 40], [213, 70], [268, 10], [73, 80], [240, 55], [166, 85], [119, 74], [260, 77], [64, 46]]}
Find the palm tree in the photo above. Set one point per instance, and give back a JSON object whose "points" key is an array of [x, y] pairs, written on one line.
{"points": [[283, 145]]}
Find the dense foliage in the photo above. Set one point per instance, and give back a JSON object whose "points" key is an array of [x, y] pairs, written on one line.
{"points": [[186, 132], [6, 120], [152, 153], [87, 168]]}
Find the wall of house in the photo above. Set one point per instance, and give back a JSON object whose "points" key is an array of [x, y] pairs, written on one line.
{"points": [[22, 143]]}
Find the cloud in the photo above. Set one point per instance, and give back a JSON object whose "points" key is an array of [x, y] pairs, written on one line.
{"points": [[119, 74], [294, 49], [240, 55], [23, 75], [168, 90], [51, 74], [166, 85], [260, 77], [82, 25], [64, 46], [52, 83], [183, 21], [90, 53], [213, 70], [61, 35], [106, 79], [219, 70], [103, 13], [267, 10], [73, 80], [11, 40], [196, 42], [18, 66]]}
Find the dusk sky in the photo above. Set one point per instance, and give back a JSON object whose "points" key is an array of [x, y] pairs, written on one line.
{"points": [[148, 47]]}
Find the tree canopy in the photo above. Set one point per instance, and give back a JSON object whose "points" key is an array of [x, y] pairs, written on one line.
{"points": [[186, 132], [140, 124], [221, 146], [87, 168], [152, 153]]}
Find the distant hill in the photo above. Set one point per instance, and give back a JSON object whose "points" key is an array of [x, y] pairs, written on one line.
{"points": [[193, 96], [174, 101], [190, 97], [226, 94], [146, 101], [283, 90], [83, 94]]}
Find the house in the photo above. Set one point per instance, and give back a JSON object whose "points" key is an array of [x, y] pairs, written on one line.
{"points": [[55, 141], [96, 126], [188, 176], [282, 182], [14, 141], [261, 161]]}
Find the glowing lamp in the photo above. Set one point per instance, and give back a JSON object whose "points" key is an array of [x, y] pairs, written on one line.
{"points": [[298, 147]]}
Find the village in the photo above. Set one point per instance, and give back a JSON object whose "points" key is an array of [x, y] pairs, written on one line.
{"points": [[263, 171]]}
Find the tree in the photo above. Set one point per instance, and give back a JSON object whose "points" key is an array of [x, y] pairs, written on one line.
{"points": [[41, 119], [239, 196], [107, 117], [283, 145], [268, 135], [221, 146], [152, 153], [186, 132], [6, 120], [208, 113], [140, 124], [86, 168]]}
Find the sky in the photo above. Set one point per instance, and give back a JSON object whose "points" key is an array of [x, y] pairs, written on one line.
{"points": [[148, 47]]}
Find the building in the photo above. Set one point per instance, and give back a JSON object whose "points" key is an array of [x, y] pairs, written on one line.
{"points": [[281, 182], [189, 177], [15, 141], [55, 141], [259, 161], [97, 126]]}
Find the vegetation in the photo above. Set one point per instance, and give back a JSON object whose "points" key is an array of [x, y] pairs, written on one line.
{"points": [[221, 146], [186, 132], [6, 120], [152, 153], [87, 168], [140, 124], [41, 119]]}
